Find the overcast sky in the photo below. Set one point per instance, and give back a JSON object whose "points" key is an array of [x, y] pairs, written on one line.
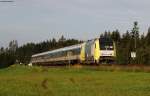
{"points": [[38, 20]]}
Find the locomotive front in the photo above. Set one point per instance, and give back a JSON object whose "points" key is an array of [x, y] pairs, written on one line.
{"points": [[107, 50]]}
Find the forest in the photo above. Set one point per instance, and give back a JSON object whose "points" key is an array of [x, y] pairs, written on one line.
{"points": [[126, 42]]}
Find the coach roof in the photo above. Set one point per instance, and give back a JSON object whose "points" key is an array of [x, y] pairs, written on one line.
{"points": [[57, 50]]}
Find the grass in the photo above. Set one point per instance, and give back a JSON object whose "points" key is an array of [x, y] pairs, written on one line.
{"points": [[39, 81]]}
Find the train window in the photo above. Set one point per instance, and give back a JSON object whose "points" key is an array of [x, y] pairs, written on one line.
{"points": [[63, 53], [76, 51], [59, 54], [106, 44]]}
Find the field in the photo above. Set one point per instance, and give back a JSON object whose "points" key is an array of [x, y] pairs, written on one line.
{"points": [[39, 81]]}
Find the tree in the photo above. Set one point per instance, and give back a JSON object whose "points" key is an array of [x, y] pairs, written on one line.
{"points": [[148, 37], [123, 49], [62, 39], [1, 50], [13, 45], [116, 35], [135, 33]]}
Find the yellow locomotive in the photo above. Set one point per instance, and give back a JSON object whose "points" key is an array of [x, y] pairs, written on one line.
{"points": [[99, 50]]}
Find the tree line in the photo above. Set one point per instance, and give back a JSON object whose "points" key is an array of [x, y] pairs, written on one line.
{"points": [[130, 41]]}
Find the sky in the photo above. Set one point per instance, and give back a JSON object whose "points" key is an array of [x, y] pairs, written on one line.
{"points": [[39, 20]]}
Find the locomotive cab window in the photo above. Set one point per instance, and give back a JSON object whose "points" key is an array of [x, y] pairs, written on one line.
{"points": [[106, 44]]}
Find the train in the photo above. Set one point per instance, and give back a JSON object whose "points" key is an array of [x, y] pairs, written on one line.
{"points": [[95, 51]]}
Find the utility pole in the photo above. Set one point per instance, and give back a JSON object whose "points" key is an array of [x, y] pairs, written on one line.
{"points": [[135, 30], [135, 33]]}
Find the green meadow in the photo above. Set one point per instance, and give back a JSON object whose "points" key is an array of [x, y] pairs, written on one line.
{"points": [[42, 81]]}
